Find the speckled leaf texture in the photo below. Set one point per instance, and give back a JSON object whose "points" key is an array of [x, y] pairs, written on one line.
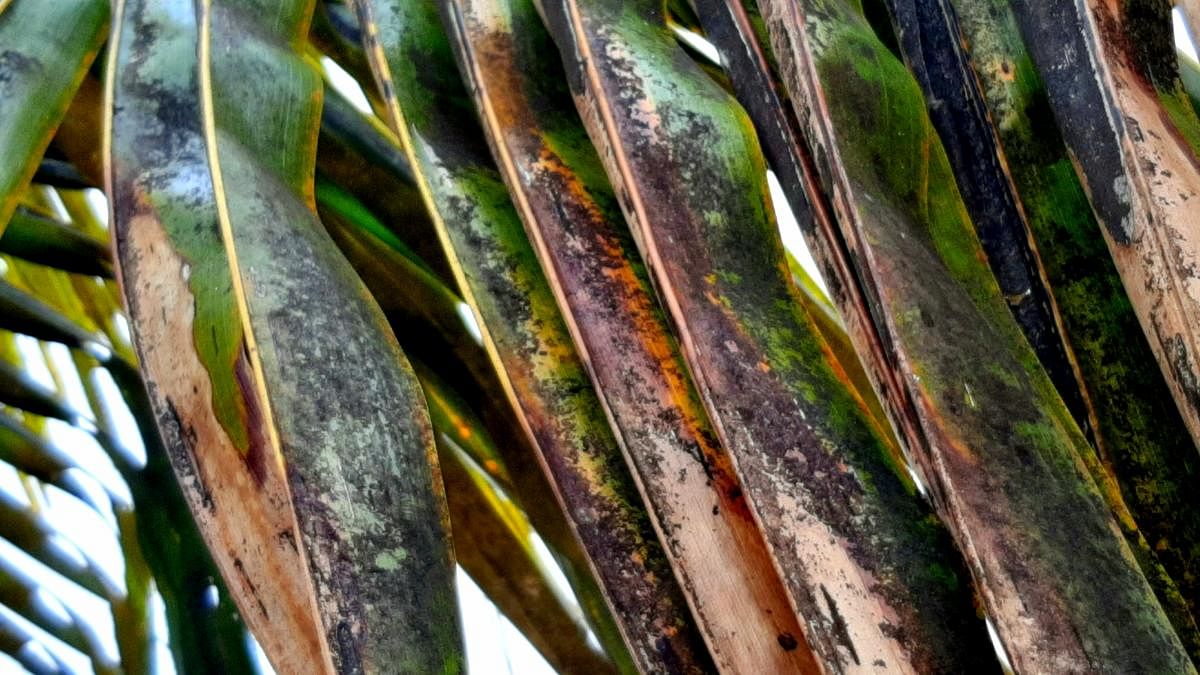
{"points": [[1134, 138], [498, 274], [1004, 456], [929, 41], [571, 215], [870, 571], [737, 31], [1145, 457], [433, 323], [294, 422], [521, 309]]}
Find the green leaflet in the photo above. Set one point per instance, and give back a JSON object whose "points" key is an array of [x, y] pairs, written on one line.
{"points": [[1131, 138], [14, 640], [20, 594], [204, 637], [24, 313], [335, 33], [359, 154], [45, 49], [27, 452], [407, 290], [349, 207], [430, 323], [428, 320], [22, 526], [157, 84], [829, 324], [431, 319], [933, 50], [23, 392], [159, 175], [48, 242]]}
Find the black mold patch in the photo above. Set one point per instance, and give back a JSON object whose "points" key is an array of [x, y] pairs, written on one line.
{"points": [[1059, 42]]}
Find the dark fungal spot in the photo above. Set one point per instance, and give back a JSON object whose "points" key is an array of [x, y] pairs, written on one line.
{"points": [[349, 660], [841, 630], [245, 578], [1183, 368], [13, 63]]}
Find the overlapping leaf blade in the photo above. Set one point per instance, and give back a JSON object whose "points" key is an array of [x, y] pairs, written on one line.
{"points": [[493, 534], [602, 288], [694, 191], [302, 437], [1135, 140], [431, 321], [497, 271], [325, 511], [161, 183], [1002, 453], [1145, 457]]}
